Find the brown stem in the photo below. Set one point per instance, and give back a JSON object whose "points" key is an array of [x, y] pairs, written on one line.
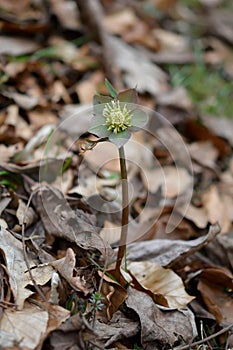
{"points": [[125, 212]]}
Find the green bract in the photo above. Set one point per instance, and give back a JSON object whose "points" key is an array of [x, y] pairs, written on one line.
{"points": [[116, 117]]}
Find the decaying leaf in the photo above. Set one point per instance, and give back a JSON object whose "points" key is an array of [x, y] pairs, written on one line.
{"points": [[118, 328], [65, 266], [72, 334], [216, 285], [216, 208], [174, 181], [138, 68], [161, 329], [29, 327], [60, 221], [114, 295], [160, 280], [25, 215], [167, 252], [19, 278]]}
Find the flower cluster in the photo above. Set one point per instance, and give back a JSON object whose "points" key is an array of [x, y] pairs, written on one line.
{"points": [[116, 116]]}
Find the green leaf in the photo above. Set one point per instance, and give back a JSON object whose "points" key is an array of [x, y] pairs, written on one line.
{"points": [[120, 138], [139, 119], [99, 130], [111, 89]]}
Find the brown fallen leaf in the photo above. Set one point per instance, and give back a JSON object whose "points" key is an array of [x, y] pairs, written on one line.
{"points": [[220, 126], [169, 252], [72, 334], [74, 226], [67, 13], [220, 250], [216, 208], [161, 329], [27, 219], [114, 295], [29, 327], [173, 180], [118, 328], [138, 69], [19, 277], [66, 266], [216, 285], [160, 280]]}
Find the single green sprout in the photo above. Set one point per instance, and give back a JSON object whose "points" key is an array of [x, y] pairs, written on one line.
{"points": [[115, 118]]}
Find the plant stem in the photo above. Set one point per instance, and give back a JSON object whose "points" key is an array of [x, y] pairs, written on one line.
{"points": [[125, 212]]}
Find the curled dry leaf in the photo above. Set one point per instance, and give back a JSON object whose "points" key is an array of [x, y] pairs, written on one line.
{"points": [[65, 266], [161, 329], [160, 280], [114, 294], [25, 215]]}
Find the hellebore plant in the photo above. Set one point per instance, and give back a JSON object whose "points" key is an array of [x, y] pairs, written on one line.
{"points": [[115, 118]]}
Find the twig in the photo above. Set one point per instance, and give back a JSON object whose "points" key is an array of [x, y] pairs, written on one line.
{"points": [[24, 247], [205, 339]]}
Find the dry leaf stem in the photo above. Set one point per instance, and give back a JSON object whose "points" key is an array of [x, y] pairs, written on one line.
{"points": [[125, 212]]}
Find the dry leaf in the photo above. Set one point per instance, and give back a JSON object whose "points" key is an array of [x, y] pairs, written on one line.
{"points": [[204, 153], [138, 69], [161, 281], [161, 329], [19, 277], [65, 266], [29, 327], [120, 22], [166, 252], [173, 180], [118, 328], [30, 216], [197, 215], [111, 232], [23, 327], [114, 294], [74, 226], [216, 208], [216, 285], [220, 126]]}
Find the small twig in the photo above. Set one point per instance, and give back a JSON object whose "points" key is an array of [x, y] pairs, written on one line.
{"points": [[24, 247], [205, 339]]}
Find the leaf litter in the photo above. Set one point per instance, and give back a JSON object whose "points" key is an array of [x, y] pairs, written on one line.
{"points": [[63, 208]]}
